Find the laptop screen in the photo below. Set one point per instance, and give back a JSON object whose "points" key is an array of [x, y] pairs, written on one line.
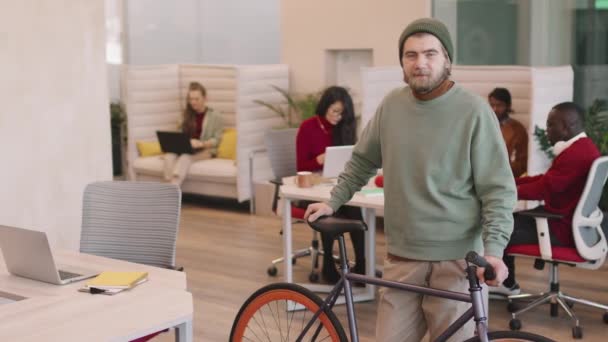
{"points": [[335, 160]]}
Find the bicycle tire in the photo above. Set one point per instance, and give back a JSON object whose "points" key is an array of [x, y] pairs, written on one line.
{"points": [[512, 336], [267, 305]]}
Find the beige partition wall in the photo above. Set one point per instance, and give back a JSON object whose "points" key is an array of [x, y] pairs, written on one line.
{"points": [[312, 30], [54, 117]]}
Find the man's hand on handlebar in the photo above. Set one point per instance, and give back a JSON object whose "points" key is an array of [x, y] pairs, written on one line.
{"points": [[499, 268], [316, 210]]}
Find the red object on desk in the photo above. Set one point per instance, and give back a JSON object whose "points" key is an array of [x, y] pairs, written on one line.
{"points": [[379, 181]]}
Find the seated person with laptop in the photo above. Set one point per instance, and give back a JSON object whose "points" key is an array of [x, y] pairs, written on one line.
{"points": [[560, 187], [203, 126], [333, 125]]}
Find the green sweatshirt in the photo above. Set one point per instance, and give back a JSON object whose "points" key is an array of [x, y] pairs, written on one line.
{"points": [[448, 187]]}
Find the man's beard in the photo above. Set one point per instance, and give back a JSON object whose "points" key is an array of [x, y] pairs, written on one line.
{"points": [[426, 86]]}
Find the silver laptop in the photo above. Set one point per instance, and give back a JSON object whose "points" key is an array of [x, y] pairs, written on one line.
{"points": [[335, 160], [27, 254]]}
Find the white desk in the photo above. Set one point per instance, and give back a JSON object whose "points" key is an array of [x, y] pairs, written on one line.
{"points": [[61, 313], [319, 193]]}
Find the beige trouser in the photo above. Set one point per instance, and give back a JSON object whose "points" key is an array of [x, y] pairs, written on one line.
{"points": [[406, 316], [176, 167]]}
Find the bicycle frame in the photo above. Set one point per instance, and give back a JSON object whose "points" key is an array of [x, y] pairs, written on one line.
{"points": [[476, 311]]}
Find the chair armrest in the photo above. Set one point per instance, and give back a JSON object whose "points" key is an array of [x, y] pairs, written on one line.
{"points": [[539, 212], [276, 182]]}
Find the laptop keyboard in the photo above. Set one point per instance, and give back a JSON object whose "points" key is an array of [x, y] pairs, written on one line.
{"points": [[63, 275]]}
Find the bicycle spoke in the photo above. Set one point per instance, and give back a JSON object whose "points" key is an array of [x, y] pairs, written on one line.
{"points": [[263, 330], [287, 326]]}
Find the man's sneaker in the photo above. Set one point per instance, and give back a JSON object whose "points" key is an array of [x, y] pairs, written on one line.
{"points": [[502, 292]]}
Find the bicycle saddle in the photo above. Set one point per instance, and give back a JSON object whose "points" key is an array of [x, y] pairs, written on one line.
{"points": [[336, 226]]}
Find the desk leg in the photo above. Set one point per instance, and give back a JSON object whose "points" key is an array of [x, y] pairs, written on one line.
{"points": [[287, 243], [183, 332], [369, 216]]}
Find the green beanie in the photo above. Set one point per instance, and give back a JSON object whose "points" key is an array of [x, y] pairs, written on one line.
{"points": [[428, 25]]}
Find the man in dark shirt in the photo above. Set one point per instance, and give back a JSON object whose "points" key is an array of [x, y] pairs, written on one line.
{"points": [[513, 132]]}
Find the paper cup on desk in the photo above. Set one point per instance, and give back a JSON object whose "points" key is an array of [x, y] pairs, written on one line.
{"points": [[304, 179]]}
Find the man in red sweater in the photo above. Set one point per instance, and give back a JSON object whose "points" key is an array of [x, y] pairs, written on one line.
{"points": [[560, 187]]}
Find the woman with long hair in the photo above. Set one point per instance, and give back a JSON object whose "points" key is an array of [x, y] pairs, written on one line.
{"points": [[203, 125], [333, 125]]}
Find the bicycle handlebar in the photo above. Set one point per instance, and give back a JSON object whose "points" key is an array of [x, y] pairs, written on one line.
{"points": [[480, 261]]}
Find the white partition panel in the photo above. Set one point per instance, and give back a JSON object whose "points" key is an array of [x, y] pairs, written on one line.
{"points": [[483, 79], [534, 91], [377, 83], [552, 85], [254, 120], [220, 83], [151, 100]]}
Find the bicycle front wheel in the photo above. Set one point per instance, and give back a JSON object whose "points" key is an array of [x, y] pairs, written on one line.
{"points": [[512, 336], [280, 312]]}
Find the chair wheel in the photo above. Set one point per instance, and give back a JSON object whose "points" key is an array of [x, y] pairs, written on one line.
{"points": [[570, 304], [515, 324], [577, 332], [606, 317], [272, 271], [378, 274], [293, 261], [512, 307], [313, 277], [553, 310]]}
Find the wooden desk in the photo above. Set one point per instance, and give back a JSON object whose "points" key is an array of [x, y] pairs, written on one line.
{"points": [[60, 313], [319, 193]]}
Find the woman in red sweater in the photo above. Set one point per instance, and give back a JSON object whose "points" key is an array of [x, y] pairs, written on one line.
{"points": [[334, 125]]}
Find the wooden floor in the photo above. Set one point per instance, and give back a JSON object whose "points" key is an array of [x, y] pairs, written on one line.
{"points": [[225, 252]]}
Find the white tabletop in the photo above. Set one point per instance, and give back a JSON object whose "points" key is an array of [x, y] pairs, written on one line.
{"points": [[322, 192], [60, 312]]}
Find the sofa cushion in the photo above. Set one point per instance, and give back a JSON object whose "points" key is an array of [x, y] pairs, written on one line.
{"points": [[227, 148], [210, 170], [152, 166], [214, 170], [148, 148]]}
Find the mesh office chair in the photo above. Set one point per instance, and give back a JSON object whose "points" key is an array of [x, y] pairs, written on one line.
{"points": [[589, 253], [132, 221], [281, 148]]}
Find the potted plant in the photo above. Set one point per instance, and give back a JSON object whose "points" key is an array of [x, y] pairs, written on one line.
{"points": [[117, 120], [298, 108]]}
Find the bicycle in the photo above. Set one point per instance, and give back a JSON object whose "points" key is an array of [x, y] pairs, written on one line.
{"points": [[286, 312]]}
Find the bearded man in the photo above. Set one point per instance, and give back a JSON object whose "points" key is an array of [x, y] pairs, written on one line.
{"points": [[448, 186]]}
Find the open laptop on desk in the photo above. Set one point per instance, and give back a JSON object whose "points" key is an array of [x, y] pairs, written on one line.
{"points": [[27, 254], [175, 142], [335, 160]]}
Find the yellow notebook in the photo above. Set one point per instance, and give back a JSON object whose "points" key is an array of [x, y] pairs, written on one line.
{"points": [[117, 280]]}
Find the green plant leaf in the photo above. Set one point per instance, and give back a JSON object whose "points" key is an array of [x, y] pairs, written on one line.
{"points": [[276, 109], [540, 135], [298, 108]]}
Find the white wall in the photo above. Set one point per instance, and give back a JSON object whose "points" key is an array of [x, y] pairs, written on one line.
{"points": [[54, 117], [240, 31], [202, 31]]}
